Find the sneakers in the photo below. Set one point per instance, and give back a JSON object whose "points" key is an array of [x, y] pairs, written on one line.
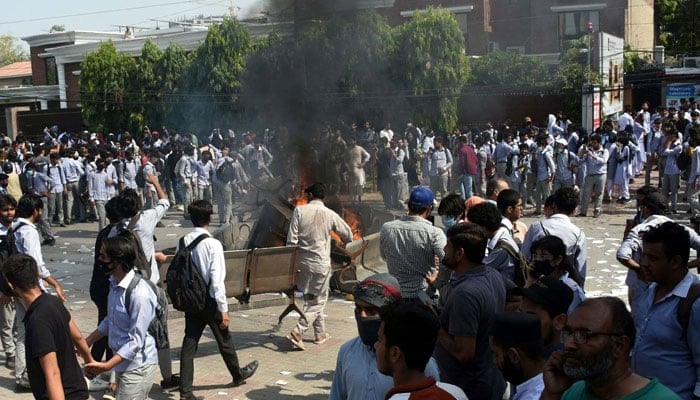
{"points": [[174, 382], [96, 384], [23, 383], [246, 372], [10, 362], [322, 338], [295, 338]]}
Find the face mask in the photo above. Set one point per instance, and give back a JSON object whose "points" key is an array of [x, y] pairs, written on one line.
{"points": [[368, 329], [542, 268], [448, 221]]}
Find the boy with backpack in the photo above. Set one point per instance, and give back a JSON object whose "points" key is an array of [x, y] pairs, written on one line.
{"points": [[135, 358], [201, 256]]}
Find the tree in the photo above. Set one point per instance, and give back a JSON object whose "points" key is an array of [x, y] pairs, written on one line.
{"points": [[10, 52], [508, 68], [57, 28], [107, 90], [169, 69], [429, 61], [148, 84], [573, 72], [212, 81]]}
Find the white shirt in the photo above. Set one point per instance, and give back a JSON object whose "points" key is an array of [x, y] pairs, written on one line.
{"points": [[28, 241], [208, 256], [310, 229], [531, 389]]}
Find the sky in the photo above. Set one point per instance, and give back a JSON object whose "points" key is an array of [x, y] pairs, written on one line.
{"points": [[27, 18]]}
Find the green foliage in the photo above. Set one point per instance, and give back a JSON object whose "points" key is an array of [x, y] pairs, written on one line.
{"points": [[107, 87], [10, 51], [508, 68], [168, 70], [212, 79], [353, 66], [632, 60], [574, 70], [429, 60], [57, 28]]}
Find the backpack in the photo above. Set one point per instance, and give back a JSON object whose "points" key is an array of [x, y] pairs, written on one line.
{"points": [[510, 167], [684, 160], [7, 248], [142, 264], [186, 287], [140, 177], [519, 277], [226, 172], [685, 306], [158, 328]]}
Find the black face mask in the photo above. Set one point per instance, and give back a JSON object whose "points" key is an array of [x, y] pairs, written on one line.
{"points": [[542, 268], [368, 328]]}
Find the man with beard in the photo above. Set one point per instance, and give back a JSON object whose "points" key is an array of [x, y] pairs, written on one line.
{"points": [[597, 341], [356, 375], [667, 346], [476, 294], [516, 342]]}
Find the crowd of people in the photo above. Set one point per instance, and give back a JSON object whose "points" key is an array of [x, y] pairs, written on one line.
{"points": [[481, 307]]}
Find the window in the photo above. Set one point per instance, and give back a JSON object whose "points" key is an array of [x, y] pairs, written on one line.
{"points": [[573, 25], [462, 21], [51, 73]]}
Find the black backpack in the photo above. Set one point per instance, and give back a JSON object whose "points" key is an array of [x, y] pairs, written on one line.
{"points": [[158, 328], [186, 287], [140, 178], [510, 165], [226, 172], [7, 248]]}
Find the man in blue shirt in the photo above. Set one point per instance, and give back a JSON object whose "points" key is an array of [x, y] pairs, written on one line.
{"points": [[356, 375], [665, 349], [135, 358]]}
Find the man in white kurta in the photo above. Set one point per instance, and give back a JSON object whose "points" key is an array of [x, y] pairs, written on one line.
{"points": [[310, 229]]}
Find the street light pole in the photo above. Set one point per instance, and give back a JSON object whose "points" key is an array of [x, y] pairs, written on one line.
{"points": [[590, 34]]}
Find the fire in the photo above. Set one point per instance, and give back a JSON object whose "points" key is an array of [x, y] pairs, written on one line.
{"points": [[353, 220]]}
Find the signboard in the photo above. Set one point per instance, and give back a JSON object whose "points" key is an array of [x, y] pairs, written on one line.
{"points": [[611, 58], [677, 91]]}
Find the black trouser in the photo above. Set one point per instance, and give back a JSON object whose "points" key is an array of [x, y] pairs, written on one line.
{"points": [[194, 327]]}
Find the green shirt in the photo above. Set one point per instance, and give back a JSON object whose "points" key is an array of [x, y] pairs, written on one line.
{"points": [[652, 390]]}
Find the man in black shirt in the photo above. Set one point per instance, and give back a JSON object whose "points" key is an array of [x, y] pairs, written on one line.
{"points": [[51, 336]]}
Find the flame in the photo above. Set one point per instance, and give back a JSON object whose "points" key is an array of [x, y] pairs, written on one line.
{"points": [[353, 220], [300, 198]]}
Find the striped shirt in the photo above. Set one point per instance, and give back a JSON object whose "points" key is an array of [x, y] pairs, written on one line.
{"points": [[409, 245]]}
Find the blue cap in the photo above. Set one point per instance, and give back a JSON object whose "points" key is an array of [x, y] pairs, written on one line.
{"points": [[421, 197]]}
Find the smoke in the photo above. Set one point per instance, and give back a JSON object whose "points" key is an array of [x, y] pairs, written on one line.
{"points": [[275, 9]]}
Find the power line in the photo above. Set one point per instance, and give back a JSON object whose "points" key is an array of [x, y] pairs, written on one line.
{"points": [[94, 12]]}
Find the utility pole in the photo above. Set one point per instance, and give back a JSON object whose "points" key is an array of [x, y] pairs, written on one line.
{"points": [[590, 37]]}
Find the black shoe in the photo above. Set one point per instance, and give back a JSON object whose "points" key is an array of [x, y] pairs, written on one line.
{"points": [[581, 215], [62, 225], [190, 396], [174, 382], [246, 372], [10, 362], [48, 242]]}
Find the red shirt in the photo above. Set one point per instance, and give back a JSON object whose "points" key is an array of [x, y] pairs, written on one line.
{"points": [[426, 390]]}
